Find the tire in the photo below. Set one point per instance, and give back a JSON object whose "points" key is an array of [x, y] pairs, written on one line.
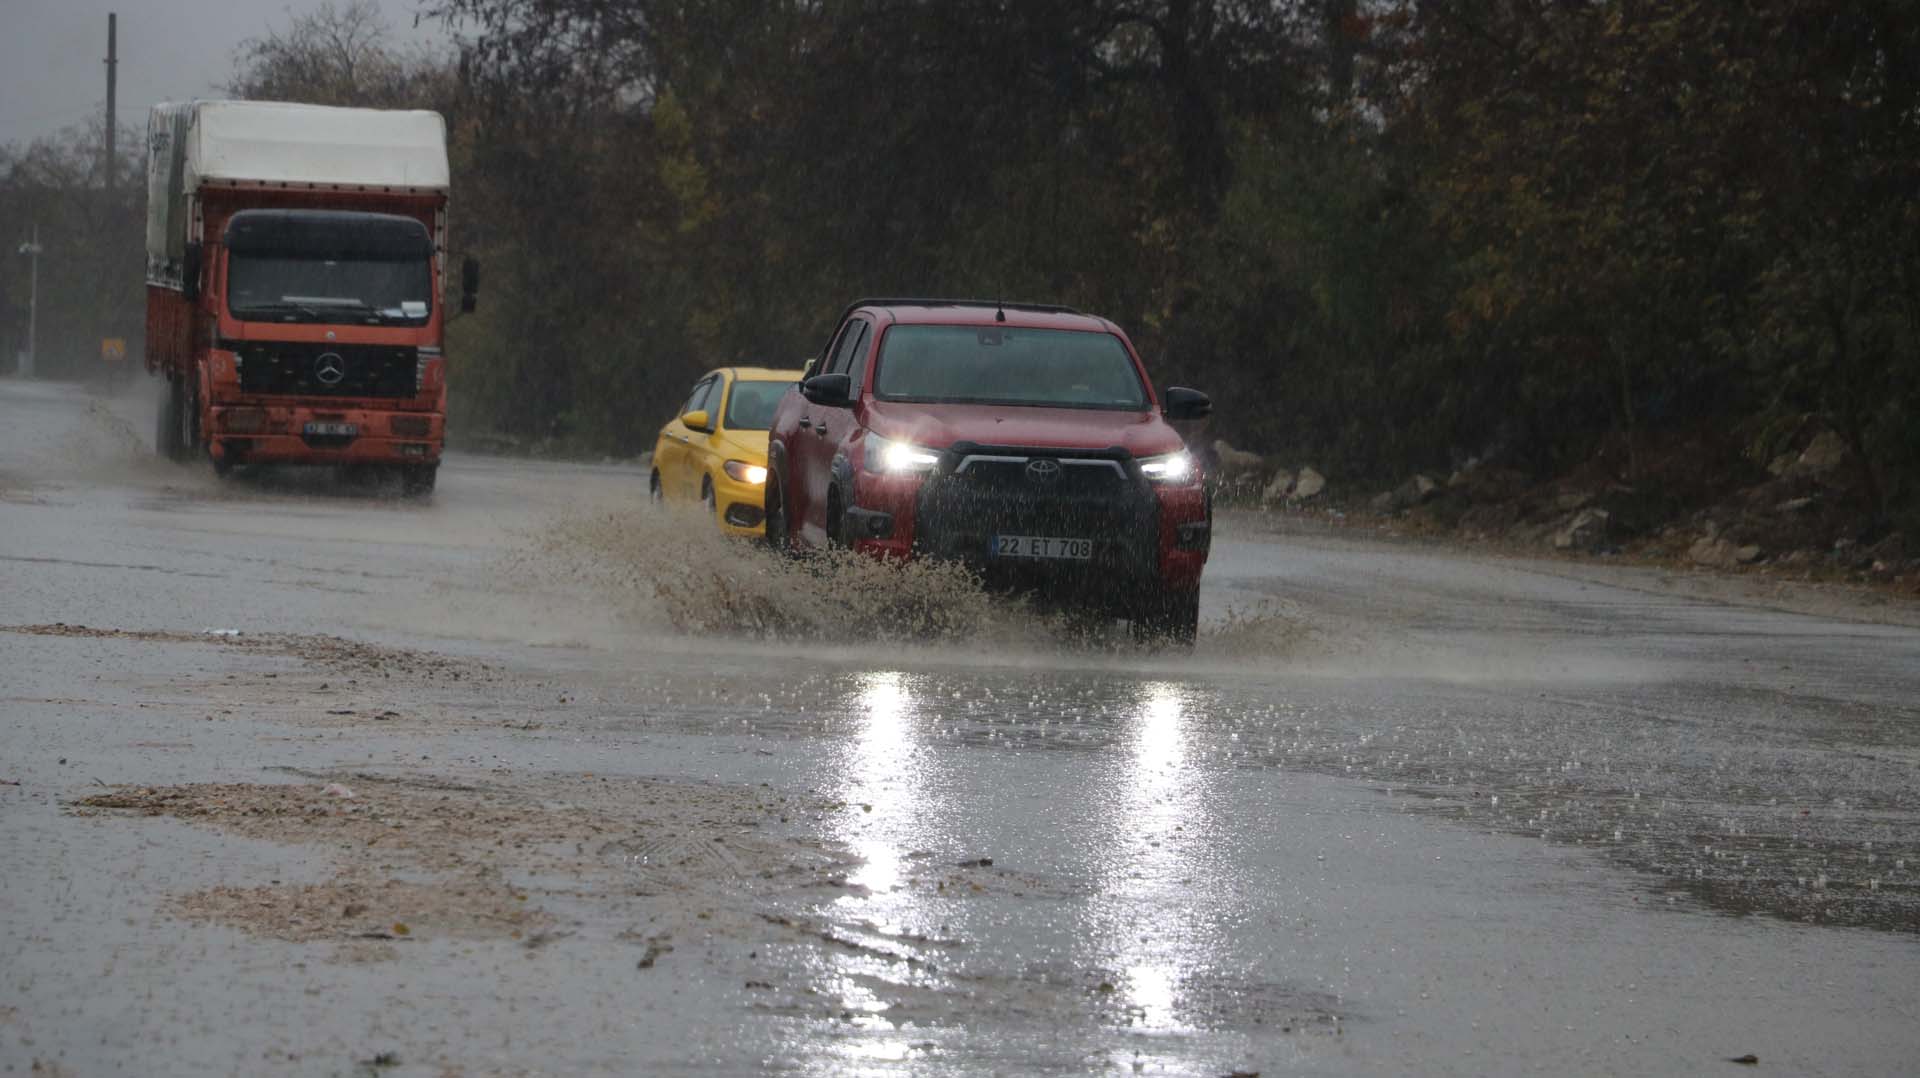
{"points": [[189, 420], [166, 424], [775, 502], [1172, 617], [654, 496], [707, 498], [416, 480], [834, 518], [222, 465]]}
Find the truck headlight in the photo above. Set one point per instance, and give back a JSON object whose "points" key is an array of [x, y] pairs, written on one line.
{"points": [[1169, 468], [742, 472], [898, 458]]}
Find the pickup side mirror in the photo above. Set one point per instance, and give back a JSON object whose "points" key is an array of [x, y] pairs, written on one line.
{"points": [[831, 390], [469, 284], [699, 420], [1184, 403], [190, 272]]}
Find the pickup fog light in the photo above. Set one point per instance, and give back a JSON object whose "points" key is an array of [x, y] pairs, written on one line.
{"points": [[896, 458], [742, 472], [1171, 468]]}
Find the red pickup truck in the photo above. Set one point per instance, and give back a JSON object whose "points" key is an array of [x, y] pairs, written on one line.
{"points": [[1025, 441]]}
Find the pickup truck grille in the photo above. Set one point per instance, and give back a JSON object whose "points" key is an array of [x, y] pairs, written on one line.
{"points": [[997, 491], [1041, 476], [327, 370]]}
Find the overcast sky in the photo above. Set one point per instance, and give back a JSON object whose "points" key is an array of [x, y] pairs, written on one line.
{"points": [[51, 53]]}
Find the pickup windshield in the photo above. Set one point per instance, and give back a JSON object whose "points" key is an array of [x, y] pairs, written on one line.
{"points": [[1051, 368], [320, 266]]}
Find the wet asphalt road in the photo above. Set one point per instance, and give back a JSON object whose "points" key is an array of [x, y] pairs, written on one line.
{"points": [[1402, 811]]}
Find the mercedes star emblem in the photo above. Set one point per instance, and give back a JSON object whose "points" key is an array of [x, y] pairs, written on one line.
{"points": [[330, 369], [1043, 470]]}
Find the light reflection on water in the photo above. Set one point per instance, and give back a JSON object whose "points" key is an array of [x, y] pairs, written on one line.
{"points": [[883, 781], [885, 771], [1156, 935], [1149, 919]]}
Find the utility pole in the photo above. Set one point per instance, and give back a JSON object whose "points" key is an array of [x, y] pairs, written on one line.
{"points": [[113, 69], [31, 249]]}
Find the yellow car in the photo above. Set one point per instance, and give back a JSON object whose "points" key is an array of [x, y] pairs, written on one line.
{"points": [[715, 450]]}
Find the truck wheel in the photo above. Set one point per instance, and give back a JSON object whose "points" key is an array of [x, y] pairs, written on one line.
{"points": [[1172, 616], [166, 426], [189, 420], [416, 480]]}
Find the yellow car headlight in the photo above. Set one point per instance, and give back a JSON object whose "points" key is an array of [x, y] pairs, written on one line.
{"points": [[742, 472]]}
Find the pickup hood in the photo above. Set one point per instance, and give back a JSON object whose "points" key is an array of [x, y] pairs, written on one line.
{"points": [[938, 426]]}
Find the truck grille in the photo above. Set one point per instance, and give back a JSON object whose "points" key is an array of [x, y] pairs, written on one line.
{"points": [[327, 370]]}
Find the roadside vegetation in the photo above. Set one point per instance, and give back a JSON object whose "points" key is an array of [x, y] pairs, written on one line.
{"points": [[1648, 250]]}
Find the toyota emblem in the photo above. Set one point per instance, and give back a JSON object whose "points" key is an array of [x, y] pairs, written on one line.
{"points": [[330, 369], [1043, 470]]}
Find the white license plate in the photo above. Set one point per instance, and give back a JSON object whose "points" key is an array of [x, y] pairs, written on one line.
{"points": [[1041, 546], [342, 430]]}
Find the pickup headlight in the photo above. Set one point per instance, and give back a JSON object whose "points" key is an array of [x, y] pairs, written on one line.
{"points": [[742, 472], [897, 458], [1169, 468]]}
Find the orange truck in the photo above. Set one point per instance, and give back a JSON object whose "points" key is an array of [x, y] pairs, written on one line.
{"points": [[295, 262]]}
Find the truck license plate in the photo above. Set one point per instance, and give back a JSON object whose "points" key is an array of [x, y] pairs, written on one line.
{"points": [[1042, 546], [333, 430]]}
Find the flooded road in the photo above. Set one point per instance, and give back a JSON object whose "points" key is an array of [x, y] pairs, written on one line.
{"points": [[297, 777]]}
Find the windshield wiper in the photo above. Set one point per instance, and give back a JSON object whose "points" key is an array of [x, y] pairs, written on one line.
{"points": [[279, 307], [371, 313]]}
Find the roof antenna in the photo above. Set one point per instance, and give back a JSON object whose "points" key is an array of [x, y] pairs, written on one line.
{"points": [[1000, 310]]}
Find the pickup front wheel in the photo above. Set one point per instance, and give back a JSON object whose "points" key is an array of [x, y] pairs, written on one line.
{"points": [[1171, 616], [775, 503]]}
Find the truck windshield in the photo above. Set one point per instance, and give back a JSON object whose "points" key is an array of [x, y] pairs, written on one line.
{"points": [[317, 266], [1055, 368], [750, 405]]}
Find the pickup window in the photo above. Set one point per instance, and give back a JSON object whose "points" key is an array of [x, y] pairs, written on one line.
{"points": [[1053, 368]]}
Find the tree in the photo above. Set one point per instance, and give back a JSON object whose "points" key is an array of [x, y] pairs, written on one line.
{"points": [[338, 54], [93, 254]]}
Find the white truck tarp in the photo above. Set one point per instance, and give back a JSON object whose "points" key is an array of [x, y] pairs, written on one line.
{"points": [[271, 142]]}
